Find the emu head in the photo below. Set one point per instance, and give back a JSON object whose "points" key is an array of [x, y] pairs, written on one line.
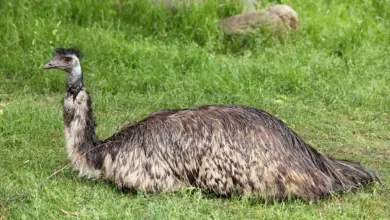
{"points": [[67, 59]]}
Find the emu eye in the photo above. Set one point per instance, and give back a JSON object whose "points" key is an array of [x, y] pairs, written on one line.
{"points": [[68, 59]]}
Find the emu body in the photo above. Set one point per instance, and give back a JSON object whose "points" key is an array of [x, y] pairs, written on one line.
{"points": [[222, 149]]}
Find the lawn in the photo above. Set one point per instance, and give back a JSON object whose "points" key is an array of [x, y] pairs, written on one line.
{"points": [[329, 82]]}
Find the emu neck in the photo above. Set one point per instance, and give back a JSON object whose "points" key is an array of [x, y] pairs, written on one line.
{"points": [[80, 128], [74, 82]]}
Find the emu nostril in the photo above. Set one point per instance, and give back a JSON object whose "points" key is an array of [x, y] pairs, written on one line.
{"points": [[48, 66]]}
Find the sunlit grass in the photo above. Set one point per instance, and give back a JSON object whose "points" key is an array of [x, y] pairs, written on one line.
{"points": [[329, 82]]}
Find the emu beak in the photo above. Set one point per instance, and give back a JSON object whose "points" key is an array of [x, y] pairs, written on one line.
{"points": [[52, 65]]}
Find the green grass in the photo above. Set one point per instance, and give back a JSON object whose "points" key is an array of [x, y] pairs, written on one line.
{"points": [[329, 82]]}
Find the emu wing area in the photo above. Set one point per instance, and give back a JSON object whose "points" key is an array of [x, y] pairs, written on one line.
{"points": [[224, 149]]}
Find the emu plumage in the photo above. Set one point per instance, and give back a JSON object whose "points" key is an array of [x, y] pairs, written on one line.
{"points": [[223, 149]]}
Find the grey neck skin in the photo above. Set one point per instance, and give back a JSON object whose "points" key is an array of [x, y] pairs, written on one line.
{"points": [[79, 122], [74, 83]]}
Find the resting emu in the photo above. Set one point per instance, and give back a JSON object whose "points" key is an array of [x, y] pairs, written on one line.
{"points": [[223, 149]]}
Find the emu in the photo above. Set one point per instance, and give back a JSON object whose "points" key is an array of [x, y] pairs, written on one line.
{"points": [[222, 149]]}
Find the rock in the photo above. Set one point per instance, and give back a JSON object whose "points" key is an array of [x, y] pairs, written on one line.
{"points": [[284, 14], [278, 18]]}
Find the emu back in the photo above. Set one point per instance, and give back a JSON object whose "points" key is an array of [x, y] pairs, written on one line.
{"points": [[224, 149]]}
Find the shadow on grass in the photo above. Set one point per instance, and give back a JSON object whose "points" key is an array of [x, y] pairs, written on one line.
{"points": [[253, 199]]}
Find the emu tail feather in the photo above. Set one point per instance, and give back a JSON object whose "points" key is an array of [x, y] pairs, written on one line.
{"points": [[349, 175]]}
